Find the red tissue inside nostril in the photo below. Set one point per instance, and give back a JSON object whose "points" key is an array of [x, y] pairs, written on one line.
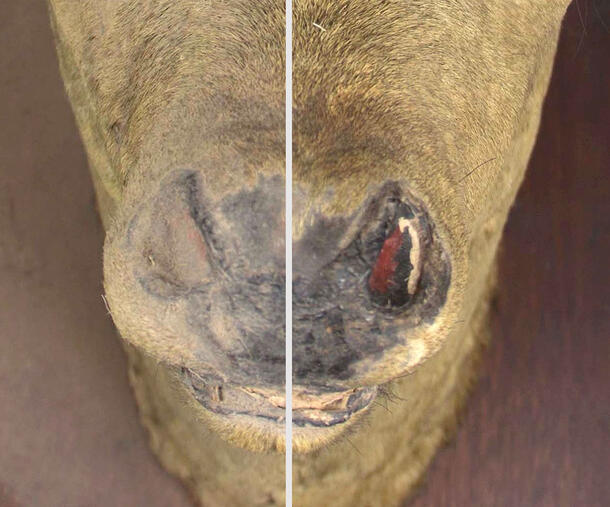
{"points": [[382, 275]]}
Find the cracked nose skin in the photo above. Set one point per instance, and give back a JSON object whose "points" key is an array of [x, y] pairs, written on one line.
{"points": [[199, 280]]}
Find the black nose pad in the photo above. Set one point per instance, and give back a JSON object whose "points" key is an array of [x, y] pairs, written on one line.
{"points": [[321, 349]]}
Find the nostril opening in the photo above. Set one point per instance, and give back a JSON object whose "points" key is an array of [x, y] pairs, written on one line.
{"points": [[395, 275], [176, 252], [171, 252]]}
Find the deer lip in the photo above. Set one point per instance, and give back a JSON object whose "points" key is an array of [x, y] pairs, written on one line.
{"points": [[310, 408]]}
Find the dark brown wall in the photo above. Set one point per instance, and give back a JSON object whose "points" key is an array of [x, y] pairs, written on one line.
{"points": [[536, 429]]}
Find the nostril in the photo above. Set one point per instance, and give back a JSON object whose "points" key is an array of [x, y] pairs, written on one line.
{"points": [[171, 254], [395, 274], [176, 252], [383, 280]]}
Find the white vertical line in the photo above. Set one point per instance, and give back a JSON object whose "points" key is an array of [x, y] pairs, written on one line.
{"points": [[288, 253]]}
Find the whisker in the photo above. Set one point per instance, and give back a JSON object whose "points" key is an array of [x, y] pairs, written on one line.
{"points": [[473, 170]]}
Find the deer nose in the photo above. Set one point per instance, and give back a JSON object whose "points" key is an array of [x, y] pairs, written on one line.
{"points": [[199, 280], [363, 285]]}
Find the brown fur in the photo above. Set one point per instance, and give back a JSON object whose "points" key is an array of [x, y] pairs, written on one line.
{"points": [[442, 98]]}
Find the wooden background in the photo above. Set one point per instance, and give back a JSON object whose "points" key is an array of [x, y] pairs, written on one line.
{"points": [[536, 430]]}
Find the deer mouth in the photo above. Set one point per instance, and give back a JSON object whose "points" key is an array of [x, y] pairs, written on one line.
{"points": [[310, 409]]}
